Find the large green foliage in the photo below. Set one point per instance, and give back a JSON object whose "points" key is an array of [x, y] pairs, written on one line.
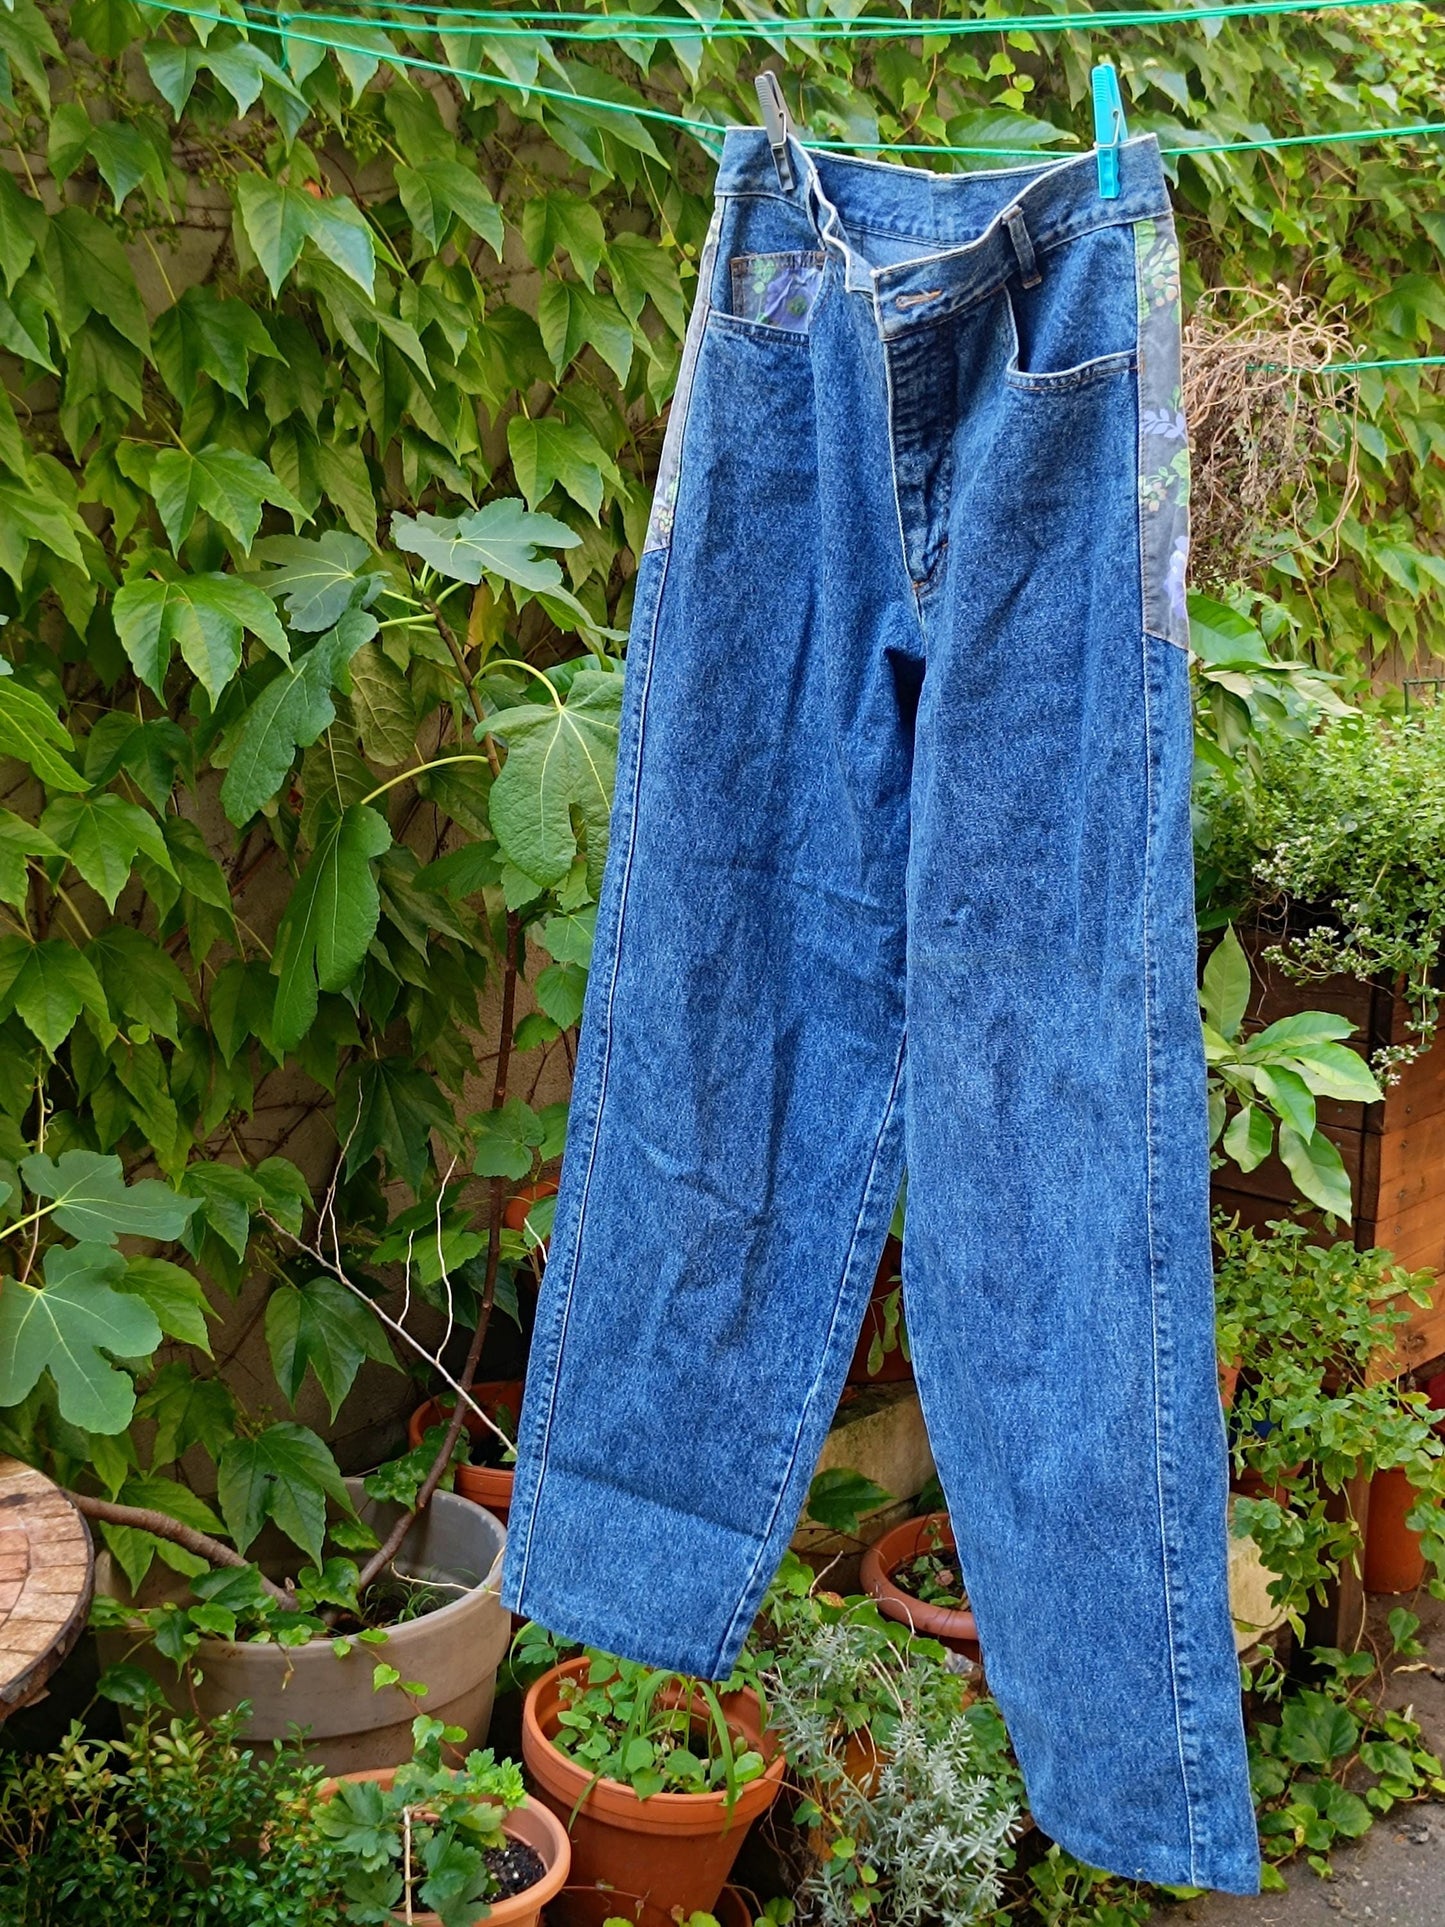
{"points": [[332, 393]]}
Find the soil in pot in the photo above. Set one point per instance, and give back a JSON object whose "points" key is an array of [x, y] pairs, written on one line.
{"points": [[673, 1851], [487, 1477], [532, 1868], [912, 1572], [1394, 1561], [454, 1548]]}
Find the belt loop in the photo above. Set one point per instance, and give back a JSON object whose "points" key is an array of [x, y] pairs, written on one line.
{"points": [[1023, 247]]}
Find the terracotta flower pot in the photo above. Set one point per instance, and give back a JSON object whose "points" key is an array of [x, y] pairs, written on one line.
{"points": [[895, 1368], [514, 1213], [1228, 1381], [488, 1485], [954, 1628], [535, 1826], [1393, 1559], [673, 1851]]}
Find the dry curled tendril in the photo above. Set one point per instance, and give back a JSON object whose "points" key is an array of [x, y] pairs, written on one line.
{"points": [[1265, 422]]}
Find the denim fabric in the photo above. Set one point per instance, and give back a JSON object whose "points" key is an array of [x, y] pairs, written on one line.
{"points": [[906, 749]]}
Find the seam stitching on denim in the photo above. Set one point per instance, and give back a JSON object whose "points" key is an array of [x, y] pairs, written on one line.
{"points": [[890, 410], [1028, 382], [868, 1186], [1148, 961], [737, 324], [604, 1068]]}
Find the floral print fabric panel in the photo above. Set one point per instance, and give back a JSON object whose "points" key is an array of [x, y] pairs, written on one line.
{"points": [[777, 289], [1163, 435], [664, 495]]}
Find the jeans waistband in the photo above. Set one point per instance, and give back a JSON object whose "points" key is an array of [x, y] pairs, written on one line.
{"points": [[972, 230]]}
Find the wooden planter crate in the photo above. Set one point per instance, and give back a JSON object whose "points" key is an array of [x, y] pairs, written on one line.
{"points": [[1393, 1151]]}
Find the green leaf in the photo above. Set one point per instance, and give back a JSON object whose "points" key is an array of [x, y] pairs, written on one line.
{"points": [[545, 451], [389, 1105], [292, 711], [228, 1195], [91, 275], [206, 335], [382, 706], [840, 1498], [569, 938], [330, 918], [228, 485], [124, 157], [560, 989], [325, 1326], [500, 539], [560, 760], [278, 220], [22, 228], [93, 1202], [204, 616], [320, 579], [174, 1296], [31, 731], [186, 1411], [554, 220], [47, 985], [1317, 1168], [102, 836], [1249, 1138], [284, 1474], [506, 1140], [572, 318], [1225, 996], [68, 1328], [38, 518], [1288, 1095], [641, 271], [442, 190]]}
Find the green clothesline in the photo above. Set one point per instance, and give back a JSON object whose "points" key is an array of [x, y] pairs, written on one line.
{"points": [[710, 131], [508, 22]]}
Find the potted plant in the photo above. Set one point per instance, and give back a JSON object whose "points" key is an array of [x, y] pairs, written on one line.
{"points": [[491, 1429], [440, 1846], [912, 1571], [907, 1795], [1311, 1412], [657, 1775], [881, 1356], [347, 1664]]}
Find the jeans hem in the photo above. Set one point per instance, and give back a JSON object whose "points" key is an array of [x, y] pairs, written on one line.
{"points": [[1225, 1873], [691, 1659]]}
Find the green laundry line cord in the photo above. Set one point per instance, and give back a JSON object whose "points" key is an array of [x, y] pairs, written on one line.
{"points": [[711, 133], [562, 25]]}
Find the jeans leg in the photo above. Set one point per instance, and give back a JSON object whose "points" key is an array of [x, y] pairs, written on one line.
{"points": [[1058, 1282], [734, 1148]]}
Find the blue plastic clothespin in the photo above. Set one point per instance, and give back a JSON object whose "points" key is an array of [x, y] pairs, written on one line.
{"points": [[1110, 127]]}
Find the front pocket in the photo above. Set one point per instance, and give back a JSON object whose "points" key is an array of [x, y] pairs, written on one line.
{"points": [[1100, 369], [776, 290]]}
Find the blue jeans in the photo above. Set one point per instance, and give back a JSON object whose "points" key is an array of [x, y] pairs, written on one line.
{"points": [[906, 752]]}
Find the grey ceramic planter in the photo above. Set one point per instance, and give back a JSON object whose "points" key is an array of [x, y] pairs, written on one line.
{"points": [[455, 1651]]}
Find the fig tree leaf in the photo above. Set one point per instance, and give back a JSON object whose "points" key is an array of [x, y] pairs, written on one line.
{"points": [[93, 1202], [73, 1327]]}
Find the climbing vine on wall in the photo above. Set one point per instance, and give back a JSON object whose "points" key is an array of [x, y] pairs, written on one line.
{"points": [[333, 385]]}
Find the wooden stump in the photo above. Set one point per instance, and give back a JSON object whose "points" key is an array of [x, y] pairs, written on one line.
{"points": [[46, 1577]]}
